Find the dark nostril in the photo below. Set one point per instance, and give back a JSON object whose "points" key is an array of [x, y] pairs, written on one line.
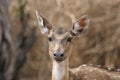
{"points": [[54, 54], [62, 55]]}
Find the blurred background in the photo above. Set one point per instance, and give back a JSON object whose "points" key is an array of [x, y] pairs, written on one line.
{"points": [[24, 50]]}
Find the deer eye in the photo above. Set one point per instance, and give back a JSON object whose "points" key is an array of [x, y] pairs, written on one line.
{"points": [[49, 38], [69, 39]]}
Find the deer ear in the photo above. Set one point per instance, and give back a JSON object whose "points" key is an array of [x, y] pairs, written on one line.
{"points": [[80, 26], [44, 25]]}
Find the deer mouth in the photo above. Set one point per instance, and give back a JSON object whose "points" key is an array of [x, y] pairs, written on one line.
{"points": [[59, 59]]}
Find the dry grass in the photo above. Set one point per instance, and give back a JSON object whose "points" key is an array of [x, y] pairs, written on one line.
{"points": [[100, 45]]}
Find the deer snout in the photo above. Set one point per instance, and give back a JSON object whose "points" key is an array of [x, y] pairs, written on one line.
{"points": [[59, 56]]}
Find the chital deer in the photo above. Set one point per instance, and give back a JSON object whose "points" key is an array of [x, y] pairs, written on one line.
{"points": [[60, 41]]}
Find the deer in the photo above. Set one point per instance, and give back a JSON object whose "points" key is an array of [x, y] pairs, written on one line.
{"points": [[60, 41]]}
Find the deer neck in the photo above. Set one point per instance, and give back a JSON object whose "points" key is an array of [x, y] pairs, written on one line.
{"points": [[60, 70]]}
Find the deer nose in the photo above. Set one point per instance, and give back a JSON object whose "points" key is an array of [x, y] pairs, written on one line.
{"points": [[58, 55]]}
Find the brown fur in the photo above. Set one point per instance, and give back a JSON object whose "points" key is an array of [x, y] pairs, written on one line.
{"points": [[82, 22], [94, 72]]}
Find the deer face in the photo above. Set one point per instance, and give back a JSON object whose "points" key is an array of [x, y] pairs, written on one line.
{"points": [[59, 44], [59, 38]]}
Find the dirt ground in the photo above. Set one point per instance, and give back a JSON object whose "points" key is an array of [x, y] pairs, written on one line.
{"points": [[100, 45]]}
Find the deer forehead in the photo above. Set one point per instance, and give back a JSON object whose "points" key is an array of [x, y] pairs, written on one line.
{"points": [[59, 33]]}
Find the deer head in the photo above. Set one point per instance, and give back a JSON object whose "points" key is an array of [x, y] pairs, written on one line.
{"points": [[59, 38]]}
